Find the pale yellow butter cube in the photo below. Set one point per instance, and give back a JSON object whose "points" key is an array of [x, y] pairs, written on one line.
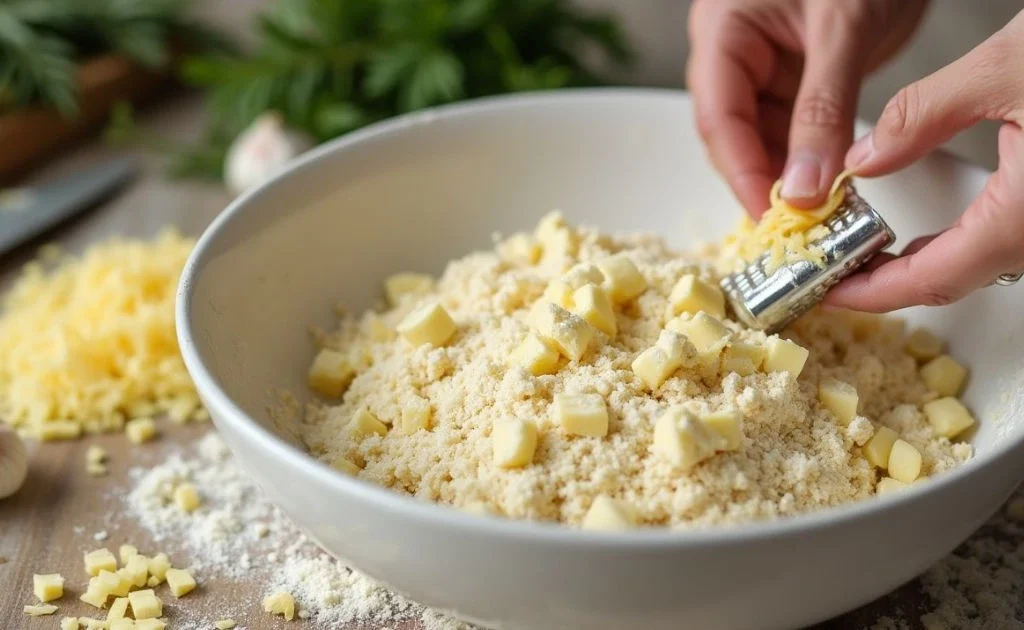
{"points": [[558, 292], [654, 366], [39, 610], [742, 358], [581, 414], [728, 424], [609, 515], [69, 623], [125, 552], [513, 442], [948, 417], [561, 290], [923, 345], [95, 624], [682, 439], [117, 584], [149, 624], [121, 624], [180, 582], [331, 373], [569, 333], [708, 335], [158, 566], [137, 570], [594, 305], [224, 624], [280, 603], [96, 454], [888, 484], [783, 355], [53, 430], [94, 595], [840, 398], [943, 375], [416, 415], [364, 423], [403, 286], [692, 295], [429, 324], [140, 430], [48, 586], [904, 461], [549, 225], [186, 497], [879, 447], [346, 466], [622, 280], [145, 604], [520, 249], [535, 356], [119, 609]]}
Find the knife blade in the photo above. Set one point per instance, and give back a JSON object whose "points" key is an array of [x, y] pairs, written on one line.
{"points": [[28, 212]]}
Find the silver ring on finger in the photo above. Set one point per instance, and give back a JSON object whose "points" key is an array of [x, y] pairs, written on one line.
{"points": [[1006, 279]]}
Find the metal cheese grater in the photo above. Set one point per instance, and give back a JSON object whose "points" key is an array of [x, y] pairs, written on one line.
{"points": [[769, 302]]}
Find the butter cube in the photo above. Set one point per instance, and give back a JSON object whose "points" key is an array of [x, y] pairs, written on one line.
{"points": [[728, 424], [888, 484], [654, 366], [125, 552], [402, 286], [782, 355], [682, 439], [692, 295], [180, 582], [224, 624], [346, 466], [948, 417], [95, 624], [840, 398], [622, 280], [594, 305], [100, 559], [558, 240], [145, 604], [569, 333], [331, 373], [513, 442], [158, 566], [879, 447], [364, 423], [520, 249], [559, 292], [69, 623], [549, 225], [140, 430], [94, 595], [429, 324], [904, 462], [149, 624], [121, 624], [116, 584], [742, 358], [53, 430], [943, 375], [581, 414], [187, 498], [535, 356], [137, 570], [280, 603], [33, 610], [609, 515], [706, 333], [923, 345], [48, 586], [119, 609], [415, 416]]}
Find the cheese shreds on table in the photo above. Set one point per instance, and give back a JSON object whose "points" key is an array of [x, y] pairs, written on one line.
{"points": [[88, 342], [786, 233]]}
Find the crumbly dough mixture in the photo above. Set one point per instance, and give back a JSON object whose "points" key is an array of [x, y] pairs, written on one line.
{"points": [[794, 457]]}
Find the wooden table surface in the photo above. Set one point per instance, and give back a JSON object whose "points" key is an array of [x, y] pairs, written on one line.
{"points": [[53, 519]]}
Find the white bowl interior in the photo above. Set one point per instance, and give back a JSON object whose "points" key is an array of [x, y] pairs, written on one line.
{"points": [[438, 185]]}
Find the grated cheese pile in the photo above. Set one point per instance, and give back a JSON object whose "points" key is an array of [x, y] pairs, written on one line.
{"points": [[784, 232], [86, 343]]}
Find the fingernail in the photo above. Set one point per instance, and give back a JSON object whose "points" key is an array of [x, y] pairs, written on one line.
{"points": [[802, 179], [860, 151]]}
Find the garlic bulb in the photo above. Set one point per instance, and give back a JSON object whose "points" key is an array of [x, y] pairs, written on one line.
{"points": [[260, 151], [13, 462]]}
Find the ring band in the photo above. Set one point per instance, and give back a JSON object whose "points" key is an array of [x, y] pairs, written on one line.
{"points": [[1006, 279]]}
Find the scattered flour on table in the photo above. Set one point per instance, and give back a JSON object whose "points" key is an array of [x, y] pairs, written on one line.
{"points": [[238, 533]]}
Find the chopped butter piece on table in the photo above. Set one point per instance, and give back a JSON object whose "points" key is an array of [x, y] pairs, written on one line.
{"points": [[513, 442], [923, 345], [692, 295], [95, 595], [430, 324], [839, 398], [948, 417], [943, 375], [145, 604], [783, 355], [48, 586], [149, 624], [140, 430], [728, 424], [53, 430], [69, 623], [364, 423], [622, 280], [594, 305], [186, 497], [180, 582], [280, 603], [100, 560], [121, 624], [609, 515], [119, 609], [224, 624], [158, 566], [115, 584], [137, 569], [39, 610], [401, 286], [682, 439], [879, 447], [535, 356], [904, 461], [581, 414], [125, 552], [331, 373], [569, 333]]}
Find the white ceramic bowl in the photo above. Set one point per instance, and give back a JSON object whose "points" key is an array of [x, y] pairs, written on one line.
{"points": [[412, 193]]}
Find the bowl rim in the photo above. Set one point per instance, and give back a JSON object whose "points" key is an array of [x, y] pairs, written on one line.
{"points": [[414, 509]]}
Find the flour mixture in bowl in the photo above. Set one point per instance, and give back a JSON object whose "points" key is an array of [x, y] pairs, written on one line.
{"points": [[598, 380]]}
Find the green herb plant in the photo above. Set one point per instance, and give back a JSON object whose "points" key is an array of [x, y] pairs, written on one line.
{"points": [[41, 41], [331, 66]]}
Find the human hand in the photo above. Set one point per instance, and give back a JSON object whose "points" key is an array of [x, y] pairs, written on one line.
{"points": [[988, 238], [775, 86]]}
